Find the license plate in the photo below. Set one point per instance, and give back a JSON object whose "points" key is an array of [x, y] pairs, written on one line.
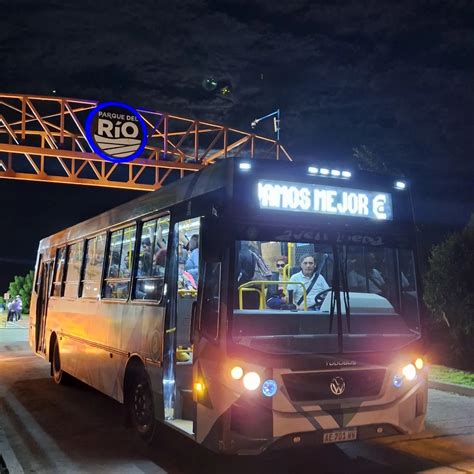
{"points": [[339, 436]]}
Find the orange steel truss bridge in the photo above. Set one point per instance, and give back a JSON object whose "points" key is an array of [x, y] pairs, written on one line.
{"points": [[42, 139]]}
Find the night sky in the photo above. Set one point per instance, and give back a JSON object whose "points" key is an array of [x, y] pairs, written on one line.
{"points": [[394, 80]]}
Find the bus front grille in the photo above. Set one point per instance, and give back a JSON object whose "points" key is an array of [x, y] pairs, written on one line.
{"points": [[333, 385]]}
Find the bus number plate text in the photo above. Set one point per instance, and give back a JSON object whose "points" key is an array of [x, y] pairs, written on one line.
{"points": [[340, 436]]}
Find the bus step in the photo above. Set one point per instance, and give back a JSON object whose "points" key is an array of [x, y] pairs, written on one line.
{"points": [[188, 404]]}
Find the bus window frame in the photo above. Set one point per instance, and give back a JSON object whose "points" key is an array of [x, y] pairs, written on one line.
{"points": [[38, 273], [68, 247], [60, 282], [83, 266], [105, 267], [140, 223], [211, 337]]}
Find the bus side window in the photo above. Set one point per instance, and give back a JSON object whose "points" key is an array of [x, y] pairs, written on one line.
{"points": [[57, 287], [38, 274], [150, 271], [119, 263], [211, 299], [95, 248], [73, 269]]}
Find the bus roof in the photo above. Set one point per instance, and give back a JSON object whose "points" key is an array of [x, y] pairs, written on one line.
{"points": [[231, 174]]}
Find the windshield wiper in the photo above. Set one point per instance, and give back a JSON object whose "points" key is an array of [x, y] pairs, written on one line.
{"points": [[346, 292], [336, 297]]}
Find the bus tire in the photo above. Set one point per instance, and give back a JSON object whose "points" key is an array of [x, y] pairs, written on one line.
{"points": [[139, 403], [59, 376]]}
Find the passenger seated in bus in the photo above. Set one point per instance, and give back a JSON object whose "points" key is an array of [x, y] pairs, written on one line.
{"points": [[114, 265], [159, 262], [355, 280], [276, 294], [192, 263], [185, 279], [262, 271], [313, 282], [160, 241], [376, 280]]}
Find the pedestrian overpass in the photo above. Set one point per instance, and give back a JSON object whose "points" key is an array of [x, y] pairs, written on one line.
{"points": [[43, 139]]}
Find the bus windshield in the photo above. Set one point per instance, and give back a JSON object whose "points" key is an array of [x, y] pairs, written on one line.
{"points": [[299, 297]]}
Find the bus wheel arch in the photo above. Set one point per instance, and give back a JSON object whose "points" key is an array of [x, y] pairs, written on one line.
{"points": [[52, 341], [138, 399], [58, 374]]}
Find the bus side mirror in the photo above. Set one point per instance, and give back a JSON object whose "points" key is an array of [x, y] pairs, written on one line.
{"points": [[192, 326]]}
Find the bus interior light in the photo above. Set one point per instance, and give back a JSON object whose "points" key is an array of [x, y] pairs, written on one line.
{"points": [[409, 372], [251, 381], [335, 173], [419, 363], [324, 171], [400, 185], [346, 174], [313, 170], [245, 166], [269, 388], [237, 372]]}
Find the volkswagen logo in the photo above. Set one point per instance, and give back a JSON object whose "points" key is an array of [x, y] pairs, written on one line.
{"points": [[337, 385]]}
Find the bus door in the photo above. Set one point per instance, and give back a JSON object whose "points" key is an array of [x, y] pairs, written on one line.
{"points": [[209, 352], [183, 284], [46, 273]]}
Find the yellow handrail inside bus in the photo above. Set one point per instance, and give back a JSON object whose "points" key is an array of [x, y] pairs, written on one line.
{"points": [[291, 247], [261, 291], [183, 292]]}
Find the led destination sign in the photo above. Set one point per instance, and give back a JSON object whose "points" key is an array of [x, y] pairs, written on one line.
{"points": [[320, 199]]}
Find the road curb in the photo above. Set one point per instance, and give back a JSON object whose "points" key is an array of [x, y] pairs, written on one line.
{"points": [[451, 387], [8, 456]]}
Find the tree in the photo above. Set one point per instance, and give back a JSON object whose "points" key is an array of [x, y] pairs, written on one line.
{"points": [[449, 290], [22, 285]]}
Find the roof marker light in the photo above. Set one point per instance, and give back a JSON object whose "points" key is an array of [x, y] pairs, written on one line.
{"points": [[400, 185], [335, 173], [324, 171], [245, 166], [346, 174], [313, 170]]}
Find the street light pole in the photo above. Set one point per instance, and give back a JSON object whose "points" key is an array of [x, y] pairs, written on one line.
{"points": [[276, 122]]}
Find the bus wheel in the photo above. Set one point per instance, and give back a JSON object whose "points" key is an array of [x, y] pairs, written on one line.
{"points": [[59, 376], [140, 405]]}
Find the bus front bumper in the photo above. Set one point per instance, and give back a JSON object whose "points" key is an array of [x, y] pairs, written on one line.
{"points": [[274, 430]]}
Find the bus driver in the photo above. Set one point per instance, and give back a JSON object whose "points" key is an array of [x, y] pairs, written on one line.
{"points": [[313, 283]]}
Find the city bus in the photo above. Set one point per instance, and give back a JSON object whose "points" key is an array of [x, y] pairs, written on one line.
{"points": [[161, 304]]}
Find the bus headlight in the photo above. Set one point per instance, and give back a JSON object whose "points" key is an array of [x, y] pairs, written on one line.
{"points": [[237, 372], [251, 381], [409, 372], [419, 363]]}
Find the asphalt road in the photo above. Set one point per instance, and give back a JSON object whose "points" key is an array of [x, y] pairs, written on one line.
{"points": [[74, 428]]}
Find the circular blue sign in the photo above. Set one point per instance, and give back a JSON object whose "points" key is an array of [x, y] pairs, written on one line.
{"points": [[116, 132]]}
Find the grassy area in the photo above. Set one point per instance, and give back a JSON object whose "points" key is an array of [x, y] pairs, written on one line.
{"points": [[439, 373]]}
